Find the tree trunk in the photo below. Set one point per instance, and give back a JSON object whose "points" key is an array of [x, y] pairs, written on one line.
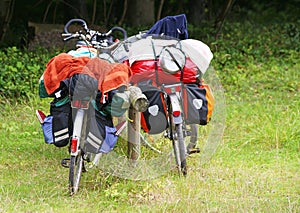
{"points": [[140, 12], [161, 4], [6, 11], [221, 18], [197, 12], [76, 9], [94, 12], [125, 6]]}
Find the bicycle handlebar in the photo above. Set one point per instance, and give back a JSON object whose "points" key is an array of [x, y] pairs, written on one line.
{"points": [[83, 23], [122, 30], [92, 37]]}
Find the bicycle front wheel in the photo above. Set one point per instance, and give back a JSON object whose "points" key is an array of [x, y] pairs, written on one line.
{"points": [[76, 166], [179, 149]]}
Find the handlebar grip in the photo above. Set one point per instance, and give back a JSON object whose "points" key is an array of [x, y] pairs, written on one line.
{"points": [[83, 24]]}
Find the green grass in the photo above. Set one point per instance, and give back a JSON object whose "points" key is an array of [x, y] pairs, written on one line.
{"points": [[255, 168]]}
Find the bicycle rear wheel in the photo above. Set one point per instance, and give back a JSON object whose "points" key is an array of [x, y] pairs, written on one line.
{"points": [[76, 166], [179, 149]]}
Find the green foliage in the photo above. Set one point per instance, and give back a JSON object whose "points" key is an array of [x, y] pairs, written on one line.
{"points": [[255, 170], [256, 59], [20, 71]]}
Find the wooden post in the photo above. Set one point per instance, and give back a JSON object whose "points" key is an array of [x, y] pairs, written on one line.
{"points": [[134, 127]]}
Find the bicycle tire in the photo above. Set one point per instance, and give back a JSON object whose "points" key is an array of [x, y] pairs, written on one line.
{"points": [[77, 161], [180, 150], [76, 166]]}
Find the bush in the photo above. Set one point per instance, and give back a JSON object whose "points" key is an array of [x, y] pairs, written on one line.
{"points": [[252, 56], [245, 53], [20, 71]]}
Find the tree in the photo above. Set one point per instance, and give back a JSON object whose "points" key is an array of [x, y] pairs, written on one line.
{"points": [[197, 11], [140, 12], [6, 12], [76, 9], [221, 18]]}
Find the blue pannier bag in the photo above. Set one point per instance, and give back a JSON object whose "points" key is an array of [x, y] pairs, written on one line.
{"points": [[47, 129], [110, 139]]}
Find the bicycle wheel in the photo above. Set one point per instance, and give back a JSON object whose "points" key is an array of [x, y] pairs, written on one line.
{"points": [[76, 166], [179, 149], [76, 158]]}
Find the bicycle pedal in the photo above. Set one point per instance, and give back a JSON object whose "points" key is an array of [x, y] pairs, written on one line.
{"points": [[65, 162], [84, 169], [87, 157], [193, 151], [187, 133]]}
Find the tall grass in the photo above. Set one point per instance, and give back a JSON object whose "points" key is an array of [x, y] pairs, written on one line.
{"points": [[254, 170]]}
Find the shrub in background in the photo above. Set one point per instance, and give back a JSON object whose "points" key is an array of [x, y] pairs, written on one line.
{"points": [[20, 71]]}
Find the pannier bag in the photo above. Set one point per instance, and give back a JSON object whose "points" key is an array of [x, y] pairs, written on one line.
{"points": [[58, 126], [117, 103], [198, 103], [47, 129], [62, 125], [146, 69], [101, 132], [154, 120]]}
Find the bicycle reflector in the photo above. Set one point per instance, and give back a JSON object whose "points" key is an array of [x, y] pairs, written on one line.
{"points": [[74, 143], [176, 113]]}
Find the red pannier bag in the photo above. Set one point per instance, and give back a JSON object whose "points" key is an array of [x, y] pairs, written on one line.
{"points": [[149, 69]]}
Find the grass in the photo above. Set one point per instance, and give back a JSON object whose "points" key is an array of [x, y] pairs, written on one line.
{"points": [[255, 168]]}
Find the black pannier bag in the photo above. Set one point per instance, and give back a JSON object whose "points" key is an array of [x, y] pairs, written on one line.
{"points": [[100, 132], [58, 126], [62, 125], [198, 104], [155, 119]]}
